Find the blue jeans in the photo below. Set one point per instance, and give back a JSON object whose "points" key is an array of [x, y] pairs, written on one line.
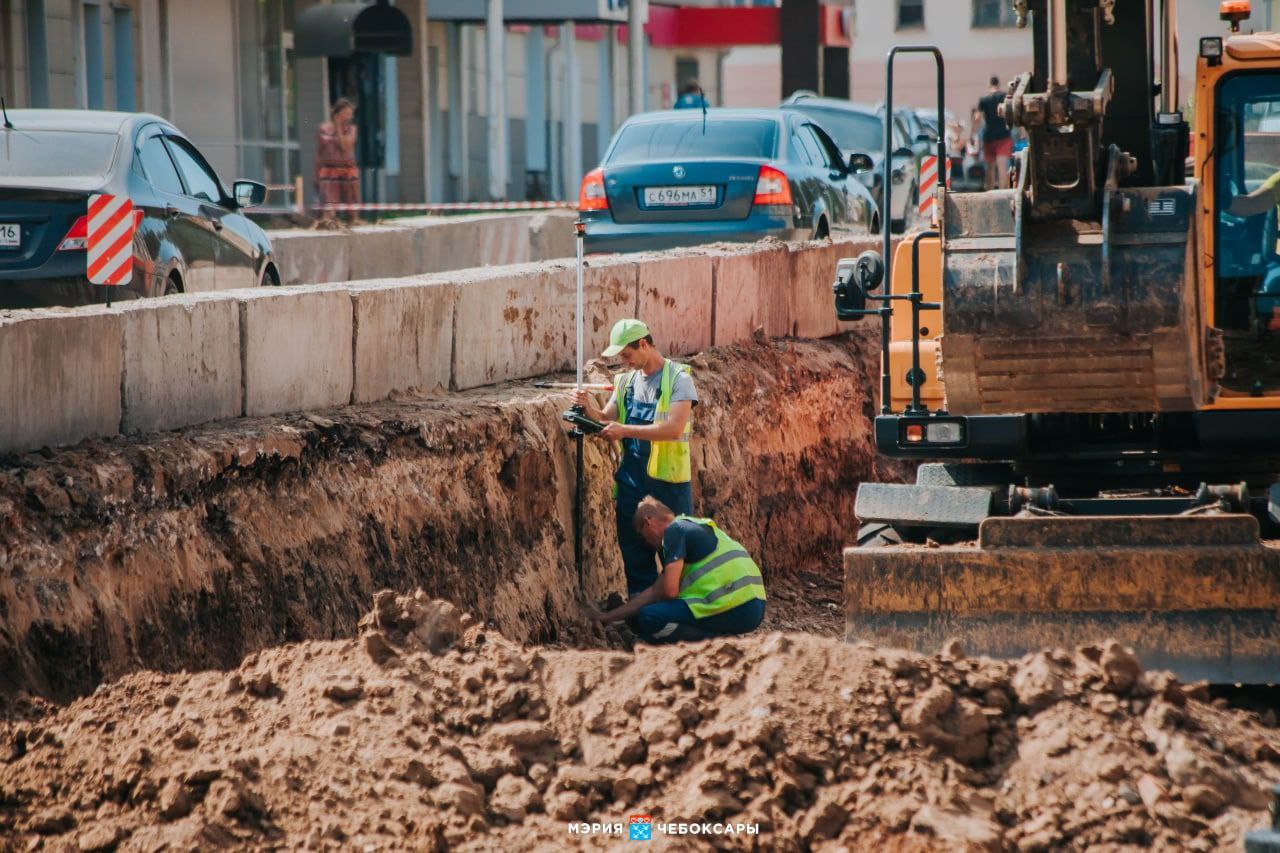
{"points": [[639, 560], [673, 622]]}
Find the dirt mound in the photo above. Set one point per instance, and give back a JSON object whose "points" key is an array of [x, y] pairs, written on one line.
{"points": [[427, 732]]}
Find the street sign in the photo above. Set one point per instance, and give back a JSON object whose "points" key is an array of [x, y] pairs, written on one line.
{"points": [[110, 239]]}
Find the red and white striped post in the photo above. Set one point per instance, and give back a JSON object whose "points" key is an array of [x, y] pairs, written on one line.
{"points": [[110, 240], [929, 187]]}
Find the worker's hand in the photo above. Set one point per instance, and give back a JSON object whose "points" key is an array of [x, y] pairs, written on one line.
{"points": [[614, 431], [593, 614], [582, 397]]}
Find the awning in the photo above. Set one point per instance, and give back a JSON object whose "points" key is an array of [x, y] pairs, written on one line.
{"points": [[341, 29], [531, 11]]}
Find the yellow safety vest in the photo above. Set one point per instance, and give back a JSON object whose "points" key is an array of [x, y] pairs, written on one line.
{"points": [[723, 579], [668, 460]]}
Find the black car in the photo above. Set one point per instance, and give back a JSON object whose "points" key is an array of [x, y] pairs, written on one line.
{"points": [[860, 129], [191, 235]]}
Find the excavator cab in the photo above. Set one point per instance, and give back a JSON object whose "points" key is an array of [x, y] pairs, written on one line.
{"points": [[1246, 271], [1085, 364]]}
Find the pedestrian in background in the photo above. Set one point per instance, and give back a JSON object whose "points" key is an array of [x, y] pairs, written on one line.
{"points": [[691, 97], [997, 141], [337, 175]]}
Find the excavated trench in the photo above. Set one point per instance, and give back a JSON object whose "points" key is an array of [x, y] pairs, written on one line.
{"points": [[190, 550]]}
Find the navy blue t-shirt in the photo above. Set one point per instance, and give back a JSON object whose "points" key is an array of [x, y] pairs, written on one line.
{"points": [[688, 541]]}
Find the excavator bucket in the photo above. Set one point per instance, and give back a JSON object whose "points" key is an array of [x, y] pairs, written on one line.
{"points": [[1072, 316], [1198, 595]]}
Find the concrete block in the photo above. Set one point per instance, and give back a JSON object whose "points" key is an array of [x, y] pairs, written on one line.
{"points": [[403, 336], [181, 361], [551, 235], [380, 251], [813, 270], [518, 322], [675, 300], [60, 380], [752, 289], [502, 240], [312, 257], [296, 345], [450, 244]]}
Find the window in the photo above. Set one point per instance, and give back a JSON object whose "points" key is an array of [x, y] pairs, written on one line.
{"points": [[94, 70], [676, 138], [158, 168], [817, 151], [799, 152], [37, 54], [993, 13], [910, 14], [199, 178], [122, 53]]}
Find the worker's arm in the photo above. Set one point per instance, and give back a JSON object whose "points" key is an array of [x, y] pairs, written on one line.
{"points": [[1259, 201], [669, 430], [666, 588]]}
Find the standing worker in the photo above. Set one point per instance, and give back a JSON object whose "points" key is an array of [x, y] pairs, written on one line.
{"points": [[997, 141], [710, 586], [650, 413]]}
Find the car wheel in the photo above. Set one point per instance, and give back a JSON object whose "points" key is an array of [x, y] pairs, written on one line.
{"points": [[823, 231], [172, 285], [270, 278]]}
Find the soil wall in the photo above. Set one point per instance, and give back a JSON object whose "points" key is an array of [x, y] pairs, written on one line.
{"points": [[191, 549]]}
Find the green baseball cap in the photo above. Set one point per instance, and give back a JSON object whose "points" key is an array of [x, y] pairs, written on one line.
{"points": [[624, 332]]}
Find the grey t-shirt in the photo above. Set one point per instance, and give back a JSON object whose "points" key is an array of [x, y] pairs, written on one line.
{"points": [[642, 404], [688, 541]]}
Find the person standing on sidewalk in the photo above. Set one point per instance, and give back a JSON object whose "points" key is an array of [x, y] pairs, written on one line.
{"points": [[997, 141], [337, 175], [650, 413]]}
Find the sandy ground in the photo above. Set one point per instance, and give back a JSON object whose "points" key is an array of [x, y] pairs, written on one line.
{"points": [[430, 732]]}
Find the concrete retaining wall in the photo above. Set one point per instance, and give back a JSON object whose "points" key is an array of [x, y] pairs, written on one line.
{"points": [[181, 362], [61, 376], [296, 345], [168, 363], [419, 245]]}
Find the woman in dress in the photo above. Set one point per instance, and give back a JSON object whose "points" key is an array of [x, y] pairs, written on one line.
{"points": [[337, 175]]}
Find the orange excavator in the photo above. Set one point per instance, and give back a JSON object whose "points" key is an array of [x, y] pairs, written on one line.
{"points": [[1087, 364]]}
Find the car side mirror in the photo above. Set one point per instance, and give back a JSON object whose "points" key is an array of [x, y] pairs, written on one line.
{"points": [[249, 193], [903, 152], [926, 137], [859, 162]]}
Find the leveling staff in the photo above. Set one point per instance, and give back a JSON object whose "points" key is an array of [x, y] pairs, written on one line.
{"points": [[650, 413]]}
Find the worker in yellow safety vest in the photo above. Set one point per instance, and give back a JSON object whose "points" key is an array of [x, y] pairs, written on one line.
{"points": [[650, 412], [709, 587]]}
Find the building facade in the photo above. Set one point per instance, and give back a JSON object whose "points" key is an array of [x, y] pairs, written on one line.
{"points": [[228, 73]]}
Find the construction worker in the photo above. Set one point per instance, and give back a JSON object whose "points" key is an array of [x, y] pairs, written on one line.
{"points": [[709, 587], [650, 413]]}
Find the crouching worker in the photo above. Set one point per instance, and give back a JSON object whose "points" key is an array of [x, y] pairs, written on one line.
{"points": [[709, 586]]}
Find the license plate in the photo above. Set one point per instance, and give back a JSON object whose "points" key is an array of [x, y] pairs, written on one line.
{"points": [[678, 196], [10, 235]]}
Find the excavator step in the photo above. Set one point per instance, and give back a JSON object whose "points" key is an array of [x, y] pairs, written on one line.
{"points": [[1199, 595]]}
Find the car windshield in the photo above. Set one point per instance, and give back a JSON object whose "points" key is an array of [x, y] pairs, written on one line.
{"points": [[55, 153], [851, 131], [686, 140]]}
